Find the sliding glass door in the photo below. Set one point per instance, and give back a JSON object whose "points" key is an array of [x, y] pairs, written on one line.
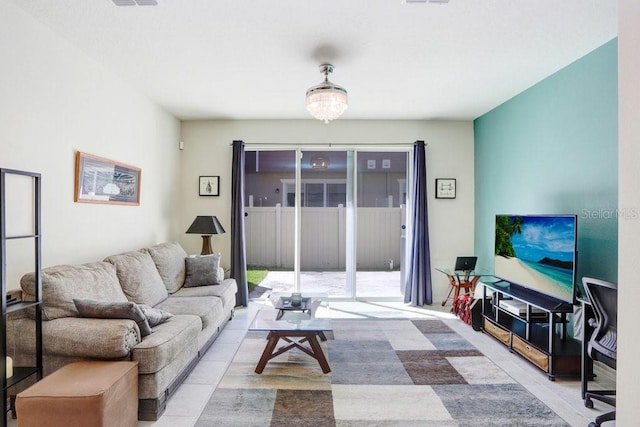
{"points": [[327, 220]]}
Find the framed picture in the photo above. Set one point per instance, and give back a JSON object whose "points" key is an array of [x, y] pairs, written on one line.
{"points": [[100, 180], [445, 188], [209, 186]]}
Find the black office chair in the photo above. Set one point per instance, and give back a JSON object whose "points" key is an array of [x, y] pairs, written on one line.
{"points": [[603, 343]]}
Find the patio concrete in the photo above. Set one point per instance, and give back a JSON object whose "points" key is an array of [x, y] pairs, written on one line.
{"points": [[368, 283]]}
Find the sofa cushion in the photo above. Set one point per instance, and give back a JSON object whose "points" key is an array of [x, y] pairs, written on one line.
{"points": [[113, 310], [62, 283], [139, 277], [203, 270], [155, 316], [226, 291], [207, 308], [169, 341], [169, 260]]}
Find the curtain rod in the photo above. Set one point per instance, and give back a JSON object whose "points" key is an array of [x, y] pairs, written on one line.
{"points": [[332, 144]]}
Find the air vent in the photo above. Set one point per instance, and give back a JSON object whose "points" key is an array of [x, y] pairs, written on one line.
{"points": [[135, 2], [425, 1]]}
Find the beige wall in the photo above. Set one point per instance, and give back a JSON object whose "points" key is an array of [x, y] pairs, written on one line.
{"points": [[55, 100], [629, 201], [208, 151]]}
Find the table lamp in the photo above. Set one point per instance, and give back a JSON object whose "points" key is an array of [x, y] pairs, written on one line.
{"points": [[206, 226]]}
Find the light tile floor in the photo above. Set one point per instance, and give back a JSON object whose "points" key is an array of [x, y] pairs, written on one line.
{"points": [[562, 396]]}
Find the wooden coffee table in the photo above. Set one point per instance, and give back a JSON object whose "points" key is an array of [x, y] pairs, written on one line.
{"points": [[297, 329]]}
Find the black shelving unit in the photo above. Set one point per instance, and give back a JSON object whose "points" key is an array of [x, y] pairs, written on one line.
{"points": [[20, 373], [539, 334]]}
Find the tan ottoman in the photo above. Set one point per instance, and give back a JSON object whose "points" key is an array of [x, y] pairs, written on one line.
{"points": [[82, 394]]}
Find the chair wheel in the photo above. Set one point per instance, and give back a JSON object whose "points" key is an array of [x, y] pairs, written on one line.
{"points": [[593, 425], [588, 403]]}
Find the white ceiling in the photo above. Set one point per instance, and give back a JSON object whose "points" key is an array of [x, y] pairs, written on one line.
{"points": [[254, 59]]}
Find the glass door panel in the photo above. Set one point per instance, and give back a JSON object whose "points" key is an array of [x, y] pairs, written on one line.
{"points": [[270, 217], [323, 176], [381, 214]]}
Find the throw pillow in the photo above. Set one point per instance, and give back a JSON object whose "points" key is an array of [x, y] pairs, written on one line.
{"points": [[113, 310], [203, 270], [155, 316]]}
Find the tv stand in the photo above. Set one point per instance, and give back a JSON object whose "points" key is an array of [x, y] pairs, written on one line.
{"points": [[533, 326]]}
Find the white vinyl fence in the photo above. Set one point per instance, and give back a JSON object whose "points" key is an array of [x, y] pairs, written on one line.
{"points": [[270, 237]]}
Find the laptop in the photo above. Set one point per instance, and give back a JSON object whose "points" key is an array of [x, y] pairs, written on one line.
{"points": [[465, 263]]}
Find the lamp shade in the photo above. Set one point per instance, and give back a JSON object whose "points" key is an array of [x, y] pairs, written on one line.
{"points": [[205, 225]]}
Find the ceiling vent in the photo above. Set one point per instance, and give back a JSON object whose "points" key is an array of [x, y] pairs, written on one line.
{"points": [[425, 1], [135, 2]]}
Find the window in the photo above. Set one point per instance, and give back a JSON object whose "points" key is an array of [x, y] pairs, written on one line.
{"points": [[320, 193]]}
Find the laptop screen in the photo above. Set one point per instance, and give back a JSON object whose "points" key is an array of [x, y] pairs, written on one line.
{"points": [[465, 263]]}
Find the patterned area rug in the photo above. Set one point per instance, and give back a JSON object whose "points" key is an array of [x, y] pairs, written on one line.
{"points": [[383, 373]]}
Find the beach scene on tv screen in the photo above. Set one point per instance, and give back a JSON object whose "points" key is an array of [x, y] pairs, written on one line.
{"points": [[537, 252]]}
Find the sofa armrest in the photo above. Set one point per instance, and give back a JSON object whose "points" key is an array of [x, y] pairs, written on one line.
{"points": [[78, 337]]}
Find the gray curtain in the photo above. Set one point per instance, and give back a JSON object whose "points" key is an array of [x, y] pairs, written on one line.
{"points": [[417, 290], [238, 254]]}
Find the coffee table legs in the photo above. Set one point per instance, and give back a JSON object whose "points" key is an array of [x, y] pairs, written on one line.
{"points": [[314, 351]]}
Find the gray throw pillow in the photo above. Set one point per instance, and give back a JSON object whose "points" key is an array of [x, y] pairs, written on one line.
{"points": [[155, 316], [203, 270], [113, 310]]}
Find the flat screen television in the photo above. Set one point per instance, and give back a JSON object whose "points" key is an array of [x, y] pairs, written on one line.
{"points": [[537, 252]]}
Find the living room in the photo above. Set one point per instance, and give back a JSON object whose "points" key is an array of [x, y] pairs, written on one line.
{"points": [[57, 100]]}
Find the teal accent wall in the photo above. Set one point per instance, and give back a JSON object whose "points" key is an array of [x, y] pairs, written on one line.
{"points": [[554, 149]]}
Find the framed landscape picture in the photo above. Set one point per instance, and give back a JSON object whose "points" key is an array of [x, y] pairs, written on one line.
{"points": [[100, 180], [209, 186]]}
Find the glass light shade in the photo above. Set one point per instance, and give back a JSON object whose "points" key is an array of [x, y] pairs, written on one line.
{"points": [[319, 163], [327, 103]]}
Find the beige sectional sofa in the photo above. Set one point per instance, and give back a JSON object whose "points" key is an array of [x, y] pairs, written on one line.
{"points": [[152, 278]]}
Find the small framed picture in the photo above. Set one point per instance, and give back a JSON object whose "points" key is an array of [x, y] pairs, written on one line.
{"points": [[445, 188], [209, 186]]}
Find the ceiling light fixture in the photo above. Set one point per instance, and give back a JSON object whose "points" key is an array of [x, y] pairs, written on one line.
{"points": [[319, 163], [326, 101]]}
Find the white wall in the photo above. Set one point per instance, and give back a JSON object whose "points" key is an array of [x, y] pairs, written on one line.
{"points": [[208, 151], [55, 100], [629, 200]]}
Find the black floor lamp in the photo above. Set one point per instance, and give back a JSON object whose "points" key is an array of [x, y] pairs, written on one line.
{"points": [[206, 226]]}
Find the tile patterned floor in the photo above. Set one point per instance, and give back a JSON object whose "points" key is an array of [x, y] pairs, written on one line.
{"points": [[562, 396]]}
